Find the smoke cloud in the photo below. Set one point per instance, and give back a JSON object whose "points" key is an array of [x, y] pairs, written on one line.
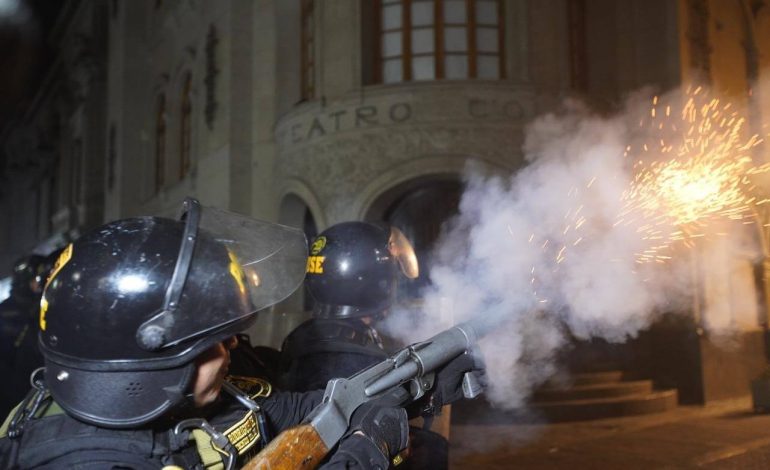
{"points": [[543, 249]]}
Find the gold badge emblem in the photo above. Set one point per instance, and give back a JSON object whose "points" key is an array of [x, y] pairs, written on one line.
{"points": [[318, 245]]}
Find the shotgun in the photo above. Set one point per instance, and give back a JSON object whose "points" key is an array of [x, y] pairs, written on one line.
{"points": [[402, 378]]}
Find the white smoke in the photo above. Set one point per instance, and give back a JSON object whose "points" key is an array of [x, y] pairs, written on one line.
{"points": [[518, 249]]}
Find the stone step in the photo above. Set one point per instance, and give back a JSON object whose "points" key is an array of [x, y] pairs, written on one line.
{"points": [[594, 378], [480, 411], [598, 408], [586, 392]]}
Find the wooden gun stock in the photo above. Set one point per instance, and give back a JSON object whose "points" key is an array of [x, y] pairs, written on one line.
{"points": [[296, 448]]}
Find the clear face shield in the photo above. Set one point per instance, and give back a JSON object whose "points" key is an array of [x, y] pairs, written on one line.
{"points": [[402, 250], [237, 264]]}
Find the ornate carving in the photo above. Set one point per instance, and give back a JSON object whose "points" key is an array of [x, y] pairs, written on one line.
{"points": [[34, 146], [82, 69], [366, 142], [210, 79], [341, 167]]}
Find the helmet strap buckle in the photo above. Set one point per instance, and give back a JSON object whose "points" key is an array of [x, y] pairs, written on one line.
{"points": [[30, 405]]}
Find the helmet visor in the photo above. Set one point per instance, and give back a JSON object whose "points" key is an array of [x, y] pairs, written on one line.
{"points": [[402, 250], [229, 267]]}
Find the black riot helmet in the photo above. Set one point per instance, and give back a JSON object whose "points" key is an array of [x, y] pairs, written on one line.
{"points": [[353, 268], [29, 273], [130, 305]]}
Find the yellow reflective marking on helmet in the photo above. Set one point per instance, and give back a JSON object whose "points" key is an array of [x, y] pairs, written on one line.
{"points": [[43, 311], [318, 245], [236, 271], [63, 259], [315, 264]]}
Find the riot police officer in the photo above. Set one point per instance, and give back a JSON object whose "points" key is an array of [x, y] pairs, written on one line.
{"points": [[136, 323], [352, 274], [18, 354]]}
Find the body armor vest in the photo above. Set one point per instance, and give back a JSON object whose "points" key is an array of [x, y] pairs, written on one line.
{"points": [[54, 440]]}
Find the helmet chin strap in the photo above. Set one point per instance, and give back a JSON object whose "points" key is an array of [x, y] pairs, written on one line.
{"points": [[30, 405], [246, 401], [217, 438]]}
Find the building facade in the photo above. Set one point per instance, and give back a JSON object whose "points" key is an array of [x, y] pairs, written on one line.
{"points": [[313, 112]]}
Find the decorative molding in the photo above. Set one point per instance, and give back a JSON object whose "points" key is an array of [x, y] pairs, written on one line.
{"points": [[464, 103], [340, 149], [346, 166], [210, 80], [82, 69], [33, 147]]}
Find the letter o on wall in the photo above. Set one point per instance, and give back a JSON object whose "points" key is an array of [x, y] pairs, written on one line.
{"points": [[400, 112]]}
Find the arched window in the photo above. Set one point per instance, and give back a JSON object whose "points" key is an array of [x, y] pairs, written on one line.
{"points": [[439, 39], [160, 142], [307, 43], [185, 126]]}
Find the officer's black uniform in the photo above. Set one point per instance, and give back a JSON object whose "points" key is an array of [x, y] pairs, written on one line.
{"points": [[127, 312], [56, 440], [19, 354], [324, 348], [16, 321]]}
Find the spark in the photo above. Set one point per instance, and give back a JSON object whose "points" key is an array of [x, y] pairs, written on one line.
{"points": [[704, 178]]}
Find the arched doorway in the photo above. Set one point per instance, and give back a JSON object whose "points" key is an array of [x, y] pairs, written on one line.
{"points": [[420, 208]]}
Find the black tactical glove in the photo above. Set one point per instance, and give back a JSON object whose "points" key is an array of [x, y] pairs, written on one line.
{"points": [[448, 385], [386, 427]]}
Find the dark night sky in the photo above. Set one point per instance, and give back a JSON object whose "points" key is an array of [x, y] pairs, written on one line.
{"points": [[25, 52]]}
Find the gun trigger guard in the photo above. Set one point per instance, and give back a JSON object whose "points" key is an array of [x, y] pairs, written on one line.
{"points": [[418, 386]]}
